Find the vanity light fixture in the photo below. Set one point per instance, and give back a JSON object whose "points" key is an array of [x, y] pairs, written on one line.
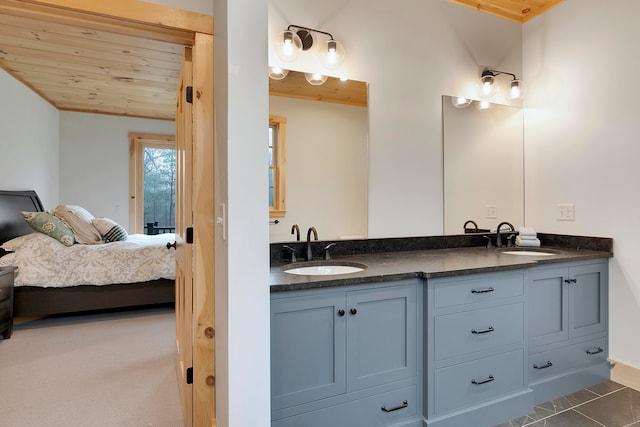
{"points": [[291, 43], [488, 86]]}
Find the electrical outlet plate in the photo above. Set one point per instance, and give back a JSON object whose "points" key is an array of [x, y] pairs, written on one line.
{"points": [[566, 212], [490, 212]]}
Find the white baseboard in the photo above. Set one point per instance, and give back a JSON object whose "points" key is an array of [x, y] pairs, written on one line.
{"points": [[625, 374]]}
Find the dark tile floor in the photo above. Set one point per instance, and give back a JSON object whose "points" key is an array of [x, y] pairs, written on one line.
{"points": [[608, 404]]}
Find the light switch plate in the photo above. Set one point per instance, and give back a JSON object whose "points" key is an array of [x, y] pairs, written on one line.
{"points": [[490, 211], [566, 212]]}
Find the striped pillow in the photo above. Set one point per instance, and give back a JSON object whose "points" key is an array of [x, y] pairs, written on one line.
{"points": [[110, 230]]}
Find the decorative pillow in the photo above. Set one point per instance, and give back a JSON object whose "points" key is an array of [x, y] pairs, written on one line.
{"points": [[48, 224], [109, 229], [79, 220], [13, 244]]}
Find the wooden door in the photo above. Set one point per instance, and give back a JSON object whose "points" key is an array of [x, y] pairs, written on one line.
{"points": [[195, 329], [184, 253], [203, 235]]}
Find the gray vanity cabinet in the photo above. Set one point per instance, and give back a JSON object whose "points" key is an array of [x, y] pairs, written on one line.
{"points": [[567, 328], [475, 349], [345, 355]]}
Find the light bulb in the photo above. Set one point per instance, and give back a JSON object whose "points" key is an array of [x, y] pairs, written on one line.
{"points": [[289, 46], [332, 54], [487, 88], [315, 79], [484, 105], [516, 89]]}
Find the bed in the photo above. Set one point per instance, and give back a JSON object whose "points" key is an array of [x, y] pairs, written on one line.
{"points": [[75, 296]]}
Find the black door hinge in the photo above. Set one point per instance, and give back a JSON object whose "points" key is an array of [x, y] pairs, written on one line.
{"points": [[189, 236], [189, 375], [190, 94]]}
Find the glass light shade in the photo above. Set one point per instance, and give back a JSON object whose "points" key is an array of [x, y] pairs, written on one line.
{"points": [[516, 89], [332, 54], [460, 102], [289, 46], [277, 73], [487, 87], [315, 79]]}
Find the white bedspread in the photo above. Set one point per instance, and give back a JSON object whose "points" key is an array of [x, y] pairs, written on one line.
{"points": [[45, 262]]}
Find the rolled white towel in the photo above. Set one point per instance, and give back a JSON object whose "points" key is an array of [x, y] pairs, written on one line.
{"points": [[530, 243], [527, 237], [527, 231]]}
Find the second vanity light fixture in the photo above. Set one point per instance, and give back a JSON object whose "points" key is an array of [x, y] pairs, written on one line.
{"points": [[488, 85], [296, 39]]}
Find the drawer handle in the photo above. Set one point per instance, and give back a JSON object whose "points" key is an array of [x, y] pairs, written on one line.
{"points": [[482, 291], [395, 408], [595, 351], [484, 331], [488, 380], [546, 365]]}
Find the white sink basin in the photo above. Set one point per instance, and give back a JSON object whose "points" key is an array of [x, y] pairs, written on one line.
{"points": [[527, 252], [323, 268]]}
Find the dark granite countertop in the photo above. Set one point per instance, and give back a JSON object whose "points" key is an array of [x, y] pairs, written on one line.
{"points": [[429, 263]]}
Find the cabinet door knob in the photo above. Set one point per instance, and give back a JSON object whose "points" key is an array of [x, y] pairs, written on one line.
{"points": [[353, 311], [341, 312]]}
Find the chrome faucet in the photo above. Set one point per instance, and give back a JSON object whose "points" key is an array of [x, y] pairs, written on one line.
{"points": [[296, 229], [498, 237], [315, 237]]}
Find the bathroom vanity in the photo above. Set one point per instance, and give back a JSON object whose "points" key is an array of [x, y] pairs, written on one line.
{"points": [[437, 337]]}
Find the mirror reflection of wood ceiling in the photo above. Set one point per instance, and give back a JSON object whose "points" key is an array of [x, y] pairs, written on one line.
{"points": [[333, 90], [515, 10]]}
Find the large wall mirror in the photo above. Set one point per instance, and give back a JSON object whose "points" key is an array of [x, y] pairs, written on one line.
{"points": [[326, 157], [483, 166]]}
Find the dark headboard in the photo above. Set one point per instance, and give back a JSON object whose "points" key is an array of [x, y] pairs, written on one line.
{"points": [[12, 224]]}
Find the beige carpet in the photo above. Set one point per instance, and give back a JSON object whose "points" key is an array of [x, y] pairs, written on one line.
{"points": [[99, 370]]}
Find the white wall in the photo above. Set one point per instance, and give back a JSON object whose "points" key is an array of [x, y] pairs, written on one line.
{"points": [[28, 141], [326, 160], [94, 161], [411, 52], [581, 136], [242, 260]]}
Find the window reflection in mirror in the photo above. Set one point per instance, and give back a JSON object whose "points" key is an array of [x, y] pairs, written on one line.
{"points": [[483, 166], [326, 157]]}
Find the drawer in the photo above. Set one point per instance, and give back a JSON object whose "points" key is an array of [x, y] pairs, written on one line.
{"points": [[479, 289], [468, 332], [478, 381], [561, 359], [379, 410]]}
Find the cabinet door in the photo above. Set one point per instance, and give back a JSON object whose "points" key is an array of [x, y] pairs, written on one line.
{"points": [[307, 349], [548, 306], [381, 334], [587, 299]]}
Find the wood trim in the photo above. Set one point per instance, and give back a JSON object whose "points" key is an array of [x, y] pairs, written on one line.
{"points": [[163, 18], [204, 229], [137, 143], [279, 210], [625, 374]]}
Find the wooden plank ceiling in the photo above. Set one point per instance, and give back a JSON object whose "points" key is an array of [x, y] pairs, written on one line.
{"points": [[294, 85], [515, 10], [78, 66]]}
